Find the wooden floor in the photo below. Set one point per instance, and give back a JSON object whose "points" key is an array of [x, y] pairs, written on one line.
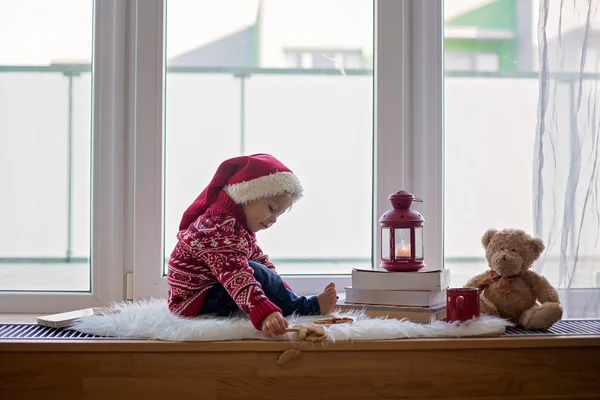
{"points": [[483, 368]]}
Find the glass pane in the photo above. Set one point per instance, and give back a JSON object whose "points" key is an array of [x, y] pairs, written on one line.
{"points": [[385, 243], [45, 108], [402, 243], [521, 145], [418, 243], [246, 76]]}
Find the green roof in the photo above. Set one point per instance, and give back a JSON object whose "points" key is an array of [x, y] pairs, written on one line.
{"points": [[499, 14]]}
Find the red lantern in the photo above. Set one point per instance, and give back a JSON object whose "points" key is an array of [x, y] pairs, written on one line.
{"points": [[402, 235]]}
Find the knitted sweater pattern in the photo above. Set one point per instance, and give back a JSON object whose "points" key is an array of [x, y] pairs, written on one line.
{"points": [[215, 249]]}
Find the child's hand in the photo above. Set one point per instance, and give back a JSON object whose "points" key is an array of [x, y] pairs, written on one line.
{"points": [[274, 324]]}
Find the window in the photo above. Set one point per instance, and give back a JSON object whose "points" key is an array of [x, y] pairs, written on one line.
{"points": [[54, 120], [396, 122], [471, 61], [314, 122], [45, 160], [127, 167], [592, 61], [349, 241], [326, 59], [519, 151], [45, 229]]}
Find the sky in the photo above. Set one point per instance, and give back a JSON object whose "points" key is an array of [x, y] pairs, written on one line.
{"points": [[42, 32]]}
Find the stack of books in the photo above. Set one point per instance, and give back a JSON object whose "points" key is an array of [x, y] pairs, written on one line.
{"points": [[418, 296]]}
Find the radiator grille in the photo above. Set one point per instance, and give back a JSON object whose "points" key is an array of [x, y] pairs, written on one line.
{"points": [[32, 331], [565, 327]]}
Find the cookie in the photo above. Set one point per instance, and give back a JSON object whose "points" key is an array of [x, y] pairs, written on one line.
{"points": [[334, 320]]}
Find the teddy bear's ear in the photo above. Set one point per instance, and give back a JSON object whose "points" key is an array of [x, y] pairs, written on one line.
{"points": [[537, 246], [485, 240]]}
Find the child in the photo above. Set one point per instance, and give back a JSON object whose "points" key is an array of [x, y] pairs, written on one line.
{"points": [[217, 266]]}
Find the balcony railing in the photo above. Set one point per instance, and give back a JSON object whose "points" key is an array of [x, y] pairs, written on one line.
{"points": [[59, 96]]}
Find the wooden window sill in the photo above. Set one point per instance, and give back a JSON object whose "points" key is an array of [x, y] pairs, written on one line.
{"points": [[491, 368]]}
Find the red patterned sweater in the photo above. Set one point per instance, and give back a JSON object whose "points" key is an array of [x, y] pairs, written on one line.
{"points": [[215, 249]]}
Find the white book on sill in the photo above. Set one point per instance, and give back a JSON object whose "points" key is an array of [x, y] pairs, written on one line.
{"points": [[63, 320], [424, 279], [416, 298]]}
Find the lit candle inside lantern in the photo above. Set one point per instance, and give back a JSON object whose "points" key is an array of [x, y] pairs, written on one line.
{"points": [[403, 250]]}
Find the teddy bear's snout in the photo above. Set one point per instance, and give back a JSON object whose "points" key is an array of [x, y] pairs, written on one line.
{"points": [[507, 263]]}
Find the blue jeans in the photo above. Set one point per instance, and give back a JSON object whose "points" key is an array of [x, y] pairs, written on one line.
{"points": [[220, 303]]}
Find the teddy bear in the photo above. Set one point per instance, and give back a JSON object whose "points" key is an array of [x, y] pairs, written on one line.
{"points": [[511, 290]]}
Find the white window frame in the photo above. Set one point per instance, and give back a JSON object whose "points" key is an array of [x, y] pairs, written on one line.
{"points": [[408, 133], [145, 169], [409, 120], [108, 123], [127, 166]]}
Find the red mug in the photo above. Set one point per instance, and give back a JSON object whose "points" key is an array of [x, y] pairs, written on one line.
{"points": [[462, 304]]}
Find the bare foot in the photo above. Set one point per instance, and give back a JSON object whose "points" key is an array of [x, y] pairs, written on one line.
{"points": [[327, 299]]}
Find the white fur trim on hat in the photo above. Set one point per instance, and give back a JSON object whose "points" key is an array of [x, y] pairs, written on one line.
{"points": [[265, 186]]}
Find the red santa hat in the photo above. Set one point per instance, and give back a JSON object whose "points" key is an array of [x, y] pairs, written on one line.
{"points": [[244, 179]]}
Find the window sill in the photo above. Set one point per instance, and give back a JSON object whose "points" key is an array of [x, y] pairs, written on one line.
{"points": [[497, 342]]}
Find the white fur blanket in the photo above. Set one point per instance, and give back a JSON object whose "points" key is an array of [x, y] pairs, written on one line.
{"points": [[152, 320]]}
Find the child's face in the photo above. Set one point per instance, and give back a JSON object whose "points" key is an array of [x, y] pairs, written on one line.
{"points": [[261, 214]]}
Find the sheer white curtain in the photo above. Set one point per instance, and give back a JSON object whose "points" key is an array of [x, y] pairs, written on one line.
{"points": [[566, 202]]}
